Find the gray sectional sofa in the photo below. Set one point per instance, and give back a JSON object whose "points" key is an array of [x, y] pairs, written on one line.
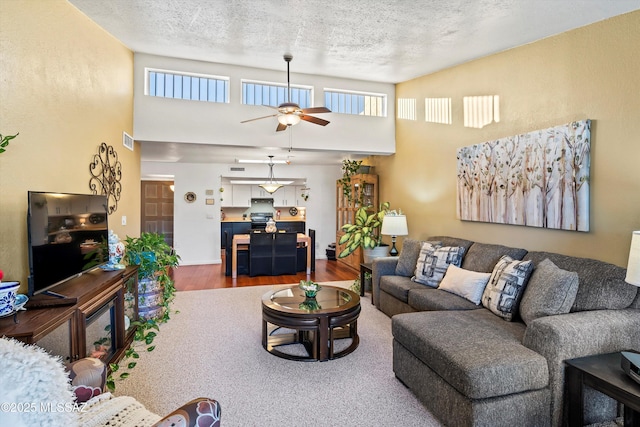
{"points": [[471, 367]]}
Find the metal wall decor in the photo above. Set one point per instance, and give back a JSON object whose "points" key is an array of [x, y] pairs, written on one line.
{"points": [[106, 173]]}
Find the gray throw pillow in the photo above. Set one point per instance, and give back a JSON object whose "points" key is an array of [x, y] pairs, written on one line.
{"points": [[550, 291], [506, 286], [408, 257]]}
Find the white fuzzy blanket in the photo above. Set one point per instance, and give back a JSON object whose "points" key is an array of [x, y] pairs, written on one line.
{"points": [[34, 387]]}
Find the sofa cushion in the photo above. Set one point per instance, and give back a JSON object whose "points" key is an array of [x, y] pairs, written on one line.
{"points": [[408, 257], [483, 257], [474, 351], [467, 284], [506, 286], [601, 285], [550, 291], [433, 263], [398, 286], [451, 241], [425, 298]]}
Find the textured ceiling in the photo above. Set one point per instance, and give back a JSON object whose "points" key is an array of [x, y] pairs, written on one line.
{"points": [[388, 41]]}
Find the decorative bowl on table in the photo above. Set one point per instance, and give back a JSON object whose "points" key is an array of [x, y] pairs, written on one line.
{"points": [[8, 292], [310, 288]]}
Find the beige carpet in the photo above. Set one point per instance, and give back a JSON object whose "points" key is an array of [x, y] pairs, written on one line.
{"points": [[212, 348]]}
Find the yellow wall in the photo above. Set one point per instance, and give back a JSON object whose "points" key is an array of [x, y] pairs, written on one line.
{"points": [[592, 72], [66, 85]]}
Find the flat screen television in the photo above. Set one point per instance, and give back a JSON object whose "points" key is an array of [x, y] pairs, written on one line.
{"points": [[67, 234]]}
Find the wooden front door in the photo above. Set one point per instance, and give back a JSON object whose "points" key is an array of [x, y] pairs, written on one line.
{"points": [[157, 209]]}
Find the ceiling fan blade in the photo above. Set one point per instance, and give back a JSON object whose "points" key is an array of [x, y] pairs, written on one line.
{"points": [[259, 118], [315, 110], [315, 120], [280, 127]]}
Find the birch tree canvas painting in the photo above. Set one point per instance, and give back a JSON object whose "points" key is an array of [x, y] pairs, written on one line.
{"points": [[537, 179]]}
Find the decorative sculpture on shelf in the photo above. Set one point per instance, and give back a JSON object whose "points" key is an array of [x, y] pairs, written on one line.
{"points": [[106, 173]]}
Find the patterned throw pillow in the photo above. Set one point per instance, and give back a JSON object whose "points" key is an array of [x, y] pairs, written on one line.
{"points": [[506, 286], [409, 256], [434, 261]]}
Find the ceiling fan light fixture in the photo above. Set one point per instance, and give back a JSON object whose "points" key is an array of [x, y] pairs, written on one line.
{"points": [[289, 119]]}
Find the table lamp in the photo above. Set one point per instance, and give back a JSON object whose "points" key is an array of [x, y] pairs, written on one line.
{"points": [[394, 226], [633, 268]]}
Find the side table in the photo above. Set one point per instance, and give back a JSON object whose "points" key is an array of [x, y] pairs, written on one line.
{"points": [[365, 268], [601, 372]]}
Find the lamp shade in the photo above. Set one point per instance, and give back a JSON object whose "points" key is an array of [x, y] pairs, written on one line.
{"points": [[394, 225], [633, 269], [270, 187]]}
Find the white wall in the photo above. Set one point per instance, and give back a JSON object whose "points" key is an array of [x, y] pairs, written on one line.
{"points": [[197, 225], [175, 120]]}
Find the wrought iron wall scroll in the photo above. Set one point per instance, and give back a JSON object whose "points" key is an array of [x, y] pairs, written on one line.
{"points": [[106, 172]]}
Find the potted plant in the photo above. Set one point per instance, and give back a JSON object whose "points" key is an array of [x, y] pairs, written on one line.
{"points": [[365, 234], [349, 168], [154, 258]]}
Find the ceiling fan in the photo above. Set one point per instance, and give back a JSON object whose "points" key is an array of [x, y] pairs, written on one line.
{"points": [[290, 113]]}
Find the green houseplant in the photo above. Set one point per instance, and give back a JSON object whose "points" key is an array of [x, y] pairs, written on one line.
{"points": [[154, 258], [365, 232], [349, 168], [4, 141]]}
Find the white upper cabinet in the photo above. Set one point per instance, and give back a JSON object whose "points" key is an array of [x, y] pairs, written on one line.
{"points": [[236, 196], [285, 196]]}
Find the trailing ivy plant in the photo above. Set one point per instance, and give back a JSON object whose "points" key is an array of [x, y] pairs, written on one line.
{"points": [[154, 258], [4, 141], [142, 340], [349, 168]]}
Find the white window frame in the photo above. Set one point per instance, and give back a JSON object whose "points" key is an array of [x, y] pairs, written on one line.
{"points": [[357, 92], [282, 85], [147, 70]]}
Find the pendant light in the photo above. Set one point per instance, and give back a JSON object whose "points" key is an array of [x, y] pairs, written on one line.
{"points": [[271, 185]]}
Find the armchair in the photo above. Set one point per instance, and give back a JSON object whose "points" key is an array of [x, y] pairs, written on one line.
{"points": [[37, 389]]}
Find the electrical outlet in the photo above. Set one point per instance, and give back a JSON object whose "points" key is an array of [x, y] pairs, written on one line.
{"points": [[124, 220]]}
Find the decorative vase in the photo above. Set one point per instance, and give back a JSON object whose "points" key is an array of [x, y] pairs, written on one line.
{"points": [[8, 292], [370, 254], [310, 288]]}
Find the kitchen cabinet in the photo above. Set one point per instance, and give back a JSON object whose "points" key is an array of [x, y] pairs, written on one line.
{"points": [[258, 192], [236, 196], [285, 196], [232, 228], [291, 226]]}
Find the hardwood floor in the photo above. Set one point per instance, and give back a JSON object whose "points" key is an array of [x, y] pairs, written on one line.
{"points": [[211, 276]]}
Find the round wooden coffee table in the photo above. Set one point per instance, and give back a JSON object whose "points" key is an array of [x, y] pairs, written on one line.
{"points": [[288, 317]]}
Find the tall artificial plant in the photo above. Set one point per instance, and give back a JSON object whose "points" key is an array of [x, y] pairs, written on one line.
{"points": [[364, 232]]}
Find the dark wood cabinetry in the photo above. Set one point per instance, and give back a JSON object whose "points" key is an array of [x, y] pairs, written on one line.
{"points": [[100, 319], [363, 191]]}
